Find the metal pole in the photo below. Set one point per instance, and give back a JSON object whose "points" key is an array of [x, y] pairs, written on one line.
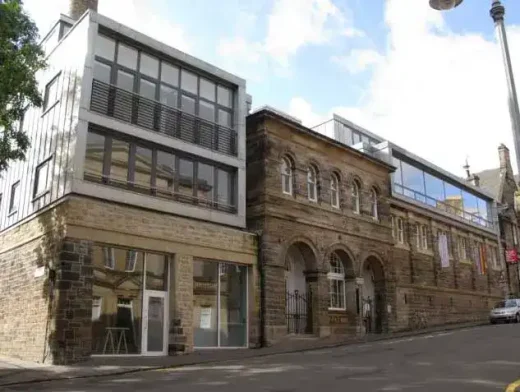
{"points": [[497, 13]]}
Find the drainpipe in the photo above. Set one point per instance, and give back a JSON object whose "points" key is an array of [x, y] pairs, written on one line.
{"points": [[261, 271]]}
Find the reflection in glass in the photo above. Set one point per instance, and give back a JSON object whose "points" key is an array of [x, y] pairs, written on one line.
{"points": [[155, 319], [165, 174], [224, 96], [186, 178], [119, 164], [156, 272], [453, 201], [146, 108], [105, 47], [224, 118], [149, 66], [189, 81], [168, 121], [116, 307], [122, 103], [233, 305], [205, 303], [205, 183], [170, 74], [483, 209], [127, 56], [188, 122], [434, 189], [413, 179], [225, 183], [469, 203], [94, 156], [143, 168], [207, 89]]}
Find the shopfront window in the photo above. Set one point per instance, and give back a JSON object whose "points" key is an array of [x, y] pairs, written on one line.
{"points": [[220, 304]]}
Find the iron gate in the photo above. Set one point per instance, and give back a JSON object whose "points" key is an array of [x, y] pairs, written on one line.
{"points": [[298, 312]]}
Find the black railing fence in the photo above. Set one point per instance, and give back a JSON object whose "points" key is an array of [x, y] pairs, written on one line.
{"points": [[147, 113], [298, 312]]}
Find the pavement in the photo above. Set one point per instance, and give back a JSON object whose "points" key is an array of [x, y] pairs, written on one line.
{"points": [[477, 359]]}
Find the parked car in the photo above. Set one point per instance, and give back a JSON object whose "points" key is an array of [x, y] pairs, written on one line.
{"points": [[506, 310]]}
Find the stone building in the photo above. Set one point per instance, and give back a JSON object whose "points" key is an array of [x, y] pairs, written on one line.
{"points": [[124, 230], [349, 228], [502, 183]]}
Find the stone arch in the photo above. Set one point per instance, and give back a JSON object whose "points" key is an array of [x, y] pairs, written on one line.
{"points": [[304, 245], [345, 254], [347, 281], [374, 293]]}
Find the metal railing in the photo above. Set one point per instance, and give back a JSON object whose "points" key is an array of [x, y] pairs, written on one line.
{"points": [[298, 312], [147, 113], [442, 205]]}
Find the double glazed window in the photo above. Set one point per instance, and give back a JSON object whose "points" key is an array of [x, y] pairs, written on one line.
{"points": [[167, 174], [144, 80]]}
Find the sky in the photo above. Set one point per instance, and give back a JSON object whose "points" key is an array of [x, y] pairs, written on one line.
{"points": [[431, 82]]}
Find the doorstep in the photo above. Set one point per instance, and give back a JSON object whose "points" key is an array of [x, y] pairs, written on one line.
{"points": [[15, 372]]}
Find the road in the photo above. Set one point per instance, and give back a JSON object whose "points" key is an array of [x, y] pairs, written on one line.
{"points": [[477, 359]]}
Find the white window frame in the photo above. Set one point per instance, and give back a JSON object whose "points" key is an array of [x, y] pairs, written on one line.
{"points": [[374, 204], [337, 276], [312, 181], [356, 203], [424, 237], [334, 190], [109, 257], [131, 260], [286, 173], [400, 230]]}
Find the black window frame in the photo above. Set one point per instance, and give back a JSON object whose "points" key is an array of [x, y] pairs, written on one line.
{"points": [[178, 155], [47, 162], [13, 209], [46, 103]]}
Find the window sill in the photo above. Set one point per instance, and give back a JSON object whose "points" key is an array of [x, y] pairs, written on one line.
{"points": [[12, 213], [337, 310], [465, 261], [40, 195], [50, 108], [402, 245], [427, 252]]}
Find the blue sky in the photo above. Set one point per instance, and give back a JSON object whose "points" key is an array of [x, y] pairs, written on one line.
{"points": [[431, 82]]}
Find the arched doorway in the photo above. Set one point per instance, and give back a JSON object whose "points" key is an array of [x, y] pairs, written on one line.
{"points": [[299, 258], [373, 295]]}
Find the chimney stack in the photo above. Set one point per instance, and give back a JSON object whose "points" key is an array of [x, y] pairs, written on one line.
{"points": [[78, 7], [505, 160]]}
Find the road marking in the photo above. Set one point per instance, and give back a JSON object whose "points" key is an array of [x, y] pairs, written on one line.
{"points": [[512, 387]]}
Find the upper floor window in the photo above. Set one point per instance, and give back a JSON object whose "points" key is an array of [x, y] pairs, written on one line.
{"points": [[109, 257], [398, 229], [287, 176], [336, 277], [142, 168], [442, 233], [15, 197], [374, 204], [50, 96], [41, 178], [334, 190], [312, 188], [463, 248], [422, 237], [515, 235], [355, 196], [493, 257]]}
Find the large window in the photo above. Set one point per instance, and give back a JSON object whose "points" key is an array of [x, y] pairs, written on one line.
{"points": [[355, 197], [374, 207], [287, 176], [219, 304], [151, 90], [398, 229], [421, 237], [424, 187], [312, 188], [171, 175], [334, 190], [336, 277], [14, 201], [41, 178]]}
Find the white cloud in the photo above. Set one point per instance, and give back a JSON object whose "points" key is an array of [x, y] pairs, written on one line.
{"points": [[295, 23], [438, 94], [142, 15], [352, 32], [358, 60]]}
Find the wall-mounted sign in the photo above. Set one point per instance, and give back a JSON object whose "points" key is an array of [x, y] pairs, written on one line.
{"points": [[360, 281], [511, 256], [39, 272], [205, 318]]}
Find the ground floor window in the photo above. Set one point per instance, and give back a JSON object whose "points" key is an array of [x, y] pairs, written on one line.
{"points": [[129, 306], [220, 304]]}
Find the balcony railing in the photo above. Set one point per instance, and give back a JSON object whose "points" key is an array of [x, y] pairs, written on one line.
{"points": [[147, 113], [442, 205]]}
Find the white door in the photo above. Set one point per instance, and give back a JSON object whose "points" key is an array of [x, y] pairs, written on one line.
{"points": [[155, 323]]}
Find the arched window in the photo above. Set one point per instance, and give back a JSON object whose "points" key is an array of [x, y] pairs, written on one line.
{"points": [[312, 180], [287, 176], [336, 277], [373, 204], [334, 190], [356, 202]]}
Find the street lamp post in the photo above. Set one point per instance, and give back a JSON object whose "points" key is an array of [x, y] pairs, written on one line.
{"points": [[497, 13]]}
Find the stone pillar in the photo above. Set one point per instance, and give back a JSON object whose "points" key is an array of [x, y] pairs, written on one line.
{"points": [[318, 285], [71, 338], [273, 292], [181, 304], [254, 306]]}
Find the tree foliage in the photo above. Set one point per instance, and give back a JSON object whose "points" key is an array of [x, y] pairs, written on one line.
{"points": [[21, 58]]}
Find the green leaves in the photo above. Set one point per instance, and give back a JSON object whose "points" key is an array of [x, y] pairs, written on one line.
{"points": [[20, 59]]}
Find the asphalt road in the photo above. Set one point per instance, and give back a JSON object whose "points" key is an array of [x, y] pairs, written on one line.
{"points": [[478, 359]]}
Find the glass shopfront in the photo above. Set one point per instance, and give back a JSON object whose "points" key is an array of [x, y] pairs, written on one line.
{"points": [[130, 302], [220, 304]]}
